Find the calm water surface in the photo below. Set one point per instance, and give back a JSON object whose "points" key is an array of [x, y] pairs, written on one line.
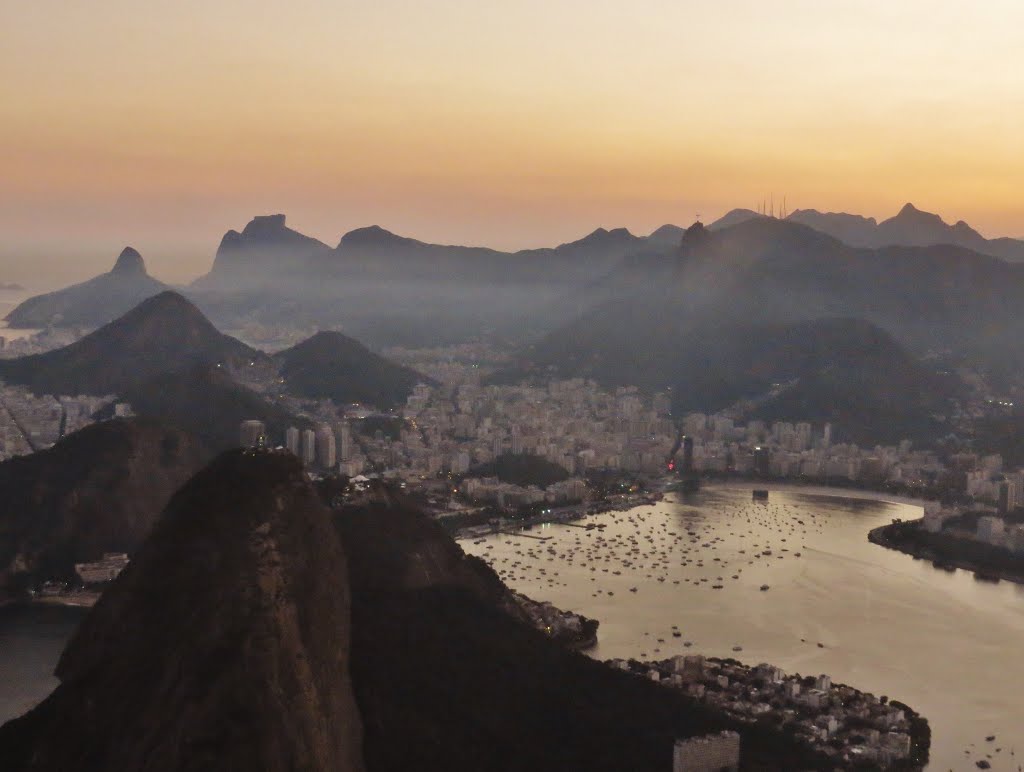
{"points": [[31, 640], [949, 646], [946, 644], [9, 299]]}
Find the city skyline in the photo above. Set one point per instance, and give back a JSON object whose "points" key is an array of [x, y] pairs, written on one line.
{"points": [[511, 128]]}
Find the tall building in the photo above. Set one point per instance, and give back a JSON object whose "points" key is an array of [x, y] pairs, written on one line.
{"points": [[325, 449], [343, 433], [1007, 498], [292, 439], [252, 434], [687, 455], [826, 439], [762, 461], [308, 447], [517, 442]]}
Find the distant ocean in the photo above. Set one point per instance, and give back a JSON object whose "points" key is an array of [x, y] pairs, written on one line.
{"points": [[9, 299]]}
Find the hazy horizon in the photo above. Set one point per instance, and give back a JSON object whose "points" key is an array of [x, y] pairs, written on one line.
{"points": [[42, 268], [163, 126]]}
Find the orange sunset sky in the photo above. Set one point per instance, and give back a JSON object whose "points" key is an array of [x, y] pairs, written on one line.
{"points": [[512, 124]]}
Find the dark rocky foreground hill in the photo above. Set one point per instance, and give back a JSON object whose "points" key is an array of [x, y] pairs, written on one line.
{"points": [[163, 333], [100, 489], [223, 645], [93, 302], [228, 643]]}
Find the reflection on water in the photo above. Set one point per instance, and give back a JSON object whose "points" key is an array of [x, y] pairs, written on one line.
{"points": [[942, 642], [31, 640], [876, 619]]}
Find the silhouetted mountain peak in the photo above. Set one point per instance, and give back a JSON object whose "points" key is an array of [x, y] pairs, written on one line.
{"points": [[171, 306], [230, 240], [812, 217], [164, 332], [373, 236], [667, 234], [263, 224], [332, 365], [602, 237], [129, 263], [911, 213], [603, 234], [964, 231], [735, 217]]}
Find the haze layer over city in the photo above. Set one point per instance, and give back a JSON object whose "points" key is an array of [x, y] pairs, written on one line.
{"points": [[548, 386]]}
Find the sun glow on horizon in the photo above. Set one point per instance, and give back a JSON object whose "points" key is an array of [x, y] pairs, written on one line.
{"points": [[507, 125]]}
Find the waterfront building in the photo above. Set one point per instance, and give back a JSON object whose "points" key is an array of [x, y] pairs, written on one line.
{"points": [[712, 753], [103, 570], [990, 529], [1015, 538]]}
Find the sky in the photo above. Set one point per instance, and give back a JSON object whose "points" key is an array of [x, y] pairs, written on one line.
{"points": [[509, 124]]}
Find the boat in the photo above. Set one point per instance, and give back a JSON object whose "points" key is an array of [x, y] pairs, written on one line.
{"points": [[760, 494], [764, 588]]}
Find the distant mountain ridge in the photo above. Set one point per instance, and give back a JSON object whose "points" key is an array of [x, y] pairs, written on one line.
{"points": [[93, 302], [266, 249], [911, 227]]}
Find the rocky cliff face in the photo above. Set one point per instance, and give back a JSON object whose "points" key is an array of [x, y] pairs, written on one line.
{"points": [[98, 490], [223, 645]]}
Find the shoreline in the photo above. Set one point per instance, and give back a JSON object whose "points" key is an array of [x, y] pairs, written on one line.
{"points": [[71, 600], [743, 698], [814, 489], [882, 536]]}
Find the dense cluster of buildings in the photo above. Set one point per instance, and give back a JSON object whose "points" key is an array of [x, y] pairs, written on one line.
{"points": [[37, 343], [510, 498], [710, 753], [29, 423], [838, 720], [449, 430], [992, 529], [784, 449], [106, 569]]}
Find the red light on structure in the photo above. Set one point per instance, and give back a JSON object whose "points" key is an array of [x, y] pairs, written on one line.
{"points": [[672, 465]]}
